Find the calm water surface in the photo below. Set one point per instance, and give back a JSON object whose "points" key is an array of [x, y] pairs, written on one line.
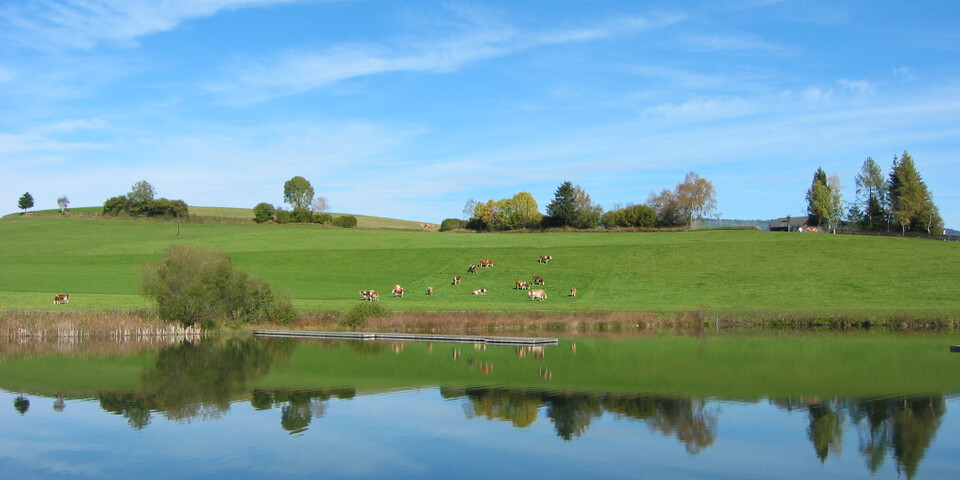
{"points": [[659, 407]]}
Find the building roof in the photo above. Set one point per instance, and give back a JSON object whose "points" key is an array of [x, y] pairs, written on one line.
{"points": [[786, 223]]}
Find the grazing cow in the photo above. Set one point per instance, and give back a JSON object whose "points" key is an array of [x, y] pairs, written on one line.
{"points": [[371, 295], [456, 279], [573, 291], [61, 298], [482, 291], [521, 285], [430, 290], [537, 294], [538, 281], [472, 269], [486, 263], [545, 258], [398, 291]]}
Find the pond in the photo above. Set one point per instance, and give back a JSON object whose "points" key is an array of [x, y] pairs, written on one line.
{"points": [[660, 406]]}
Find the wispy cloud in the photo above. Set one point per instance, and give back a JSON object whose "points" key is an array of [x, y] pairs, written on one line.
{"points": [[740, 43], [293, 72], [84, 24]]}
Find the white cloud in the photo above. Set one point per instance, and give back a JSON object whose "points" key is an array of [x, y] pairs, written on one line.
{"points": [[84, 24], [861, 87]]}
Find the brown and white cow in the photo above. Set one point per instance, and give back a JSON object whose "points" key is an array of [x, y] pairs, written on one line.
{"points": [[482, 291], [521, 285], [545, 258], [371, 295], [573, 291], [456, 279], [430, 290], [472, 269], [61, 298], [538, 281], [398, 291], [484, 263], [537, 294]]}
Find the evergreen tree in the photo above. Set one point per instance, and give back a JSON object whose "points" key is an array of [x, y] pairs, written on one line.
{"points": [[25, 202], [910, 203], [561, 212]]}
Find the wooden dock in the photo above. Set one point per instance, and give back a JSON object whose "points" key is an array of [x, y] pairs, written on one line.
{"points": [[955, 348], [408, 337]]}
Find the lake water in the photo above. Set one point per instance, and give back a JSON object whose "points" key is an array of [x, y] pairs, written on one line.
{"points": [[662, 406]]}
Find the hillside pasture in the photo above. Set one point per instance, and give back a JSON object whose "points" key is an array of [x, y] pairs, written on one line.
{"points": [[725, 272]]}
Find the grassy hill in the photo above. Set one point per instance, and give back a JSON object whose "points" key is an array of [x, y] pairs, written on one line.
{"points": [[97, 261]]}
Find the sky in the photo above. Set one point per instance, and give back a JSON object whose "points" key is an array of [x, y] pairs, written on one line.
{"points": [[408, 109]]}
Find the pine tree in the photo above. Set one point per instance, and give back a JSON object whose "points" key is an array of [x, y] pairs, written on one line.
{"points": [[910, 204], [562, 211], [25, 202]]}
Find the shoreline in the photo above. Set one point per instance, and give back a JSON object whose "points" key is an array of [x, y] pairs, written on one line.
{"points": [[144, 323]]}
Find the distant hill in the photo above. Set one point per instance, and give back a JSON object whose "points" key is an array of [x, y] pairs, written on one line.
{"points": [[245, 215]]}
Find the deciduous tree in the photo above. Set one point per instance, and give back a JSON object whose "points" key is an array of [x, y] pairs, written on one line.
{"points": [[871, 195], [298, 193], [695, 198], [817, 197], [63, 202]]}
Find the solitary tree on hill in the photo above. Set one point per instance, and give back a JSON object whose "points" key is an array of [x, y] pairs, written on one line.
{"points": [[298, 193], [26, 201], [63, 202]]}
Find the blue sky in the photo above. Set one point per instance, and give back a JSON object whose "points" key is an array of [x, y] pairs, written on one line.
{"points": [[408, 109]]}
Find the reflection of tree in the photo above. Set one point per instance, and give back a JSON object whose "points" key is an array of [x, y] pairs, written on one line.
{"points": [[572, 414], [687, 419], [826, 428], [196, 380], [134, 407], [21, 404], [904, 426], [298, 407], [519, 408], [59, 404]]}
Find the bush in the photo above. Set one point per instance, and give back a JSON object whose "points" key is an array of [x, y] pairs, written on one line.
{"points": [[452, 224], [264, 212], [283, 216], [346, 221], [116, 205], [356, 316], [324, 218], [195, 286]]}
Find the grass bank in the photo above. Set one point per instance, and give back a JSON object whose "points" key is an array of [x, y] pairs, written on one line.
{"points": [[742, 276]]}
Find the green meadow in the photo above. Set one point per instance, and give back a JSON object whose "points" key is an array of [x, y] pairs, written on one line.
{"points": [[98, 260]]}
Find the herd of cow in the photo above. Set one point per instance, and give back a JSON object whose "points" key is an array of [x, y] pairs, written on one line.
{"points": [[535, 294]]}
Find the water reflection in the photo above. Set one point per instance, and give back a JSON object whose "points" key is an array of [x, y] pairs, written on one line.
{"points": [[196, 380]]}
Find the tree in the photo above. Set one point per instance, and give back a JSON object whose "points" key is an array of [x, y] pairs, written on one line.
{"points": [[319, 205], [298, 193], [910, 203], [572, 207], [264, 212], [561, 212], [521, 211], [200, 286], [26, 201], [141, 193], [871, 195], [695, 198], [667, 208], [817, 197], [63, 202], [630, 216]]}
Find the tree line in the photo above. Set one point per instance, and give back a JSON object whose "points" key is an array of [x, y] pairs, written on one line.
{"points": [[690, 201], [898, 201]]}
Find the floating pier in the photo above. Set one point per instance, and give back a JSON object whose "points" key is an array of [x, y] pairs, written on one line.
{"points": [[408, 337], [955, 348]]}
